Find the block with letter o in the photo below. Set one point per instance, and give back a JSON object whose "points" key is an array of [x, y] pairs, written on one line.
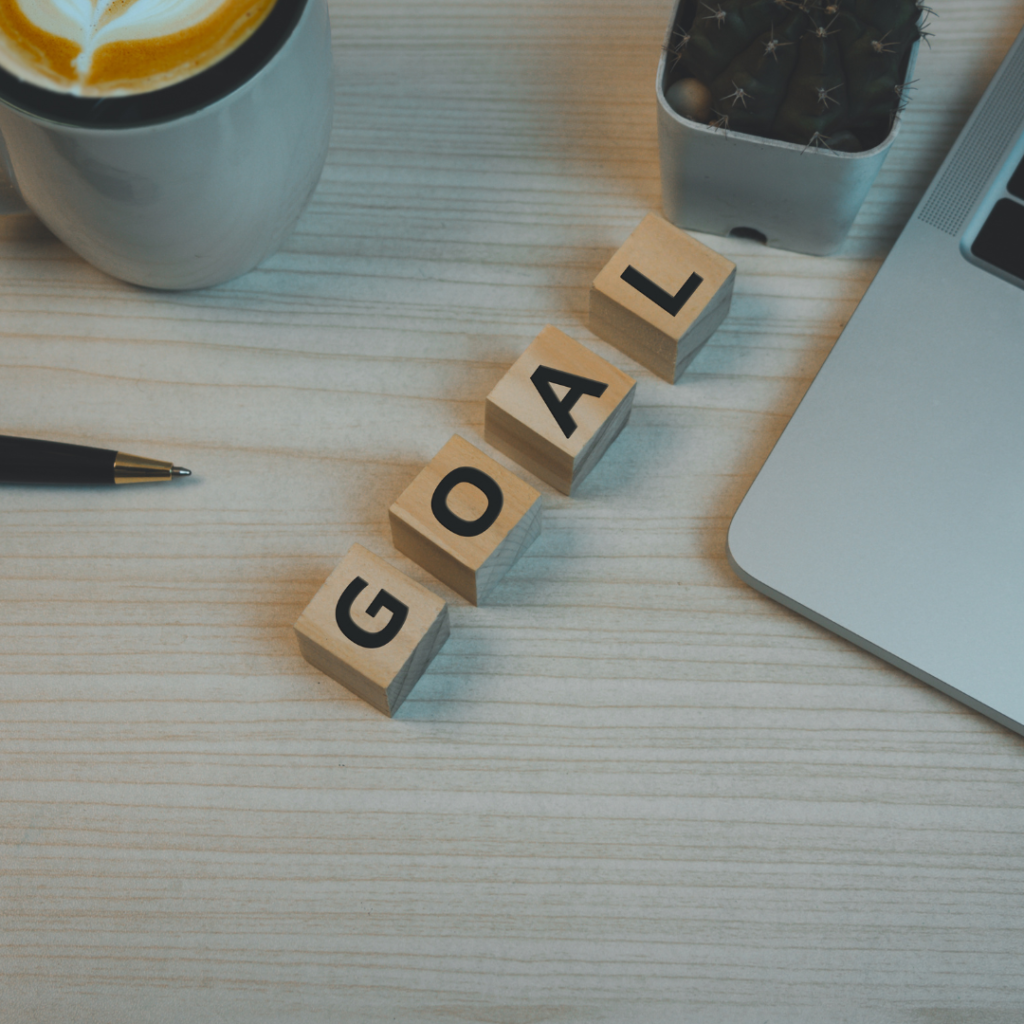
{"points": [[558, 409], [372, 629], [466, 519]]}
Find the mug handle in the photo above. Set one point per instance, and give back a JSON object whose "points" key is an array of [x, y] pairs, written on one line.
{"points": [[10, 197]]}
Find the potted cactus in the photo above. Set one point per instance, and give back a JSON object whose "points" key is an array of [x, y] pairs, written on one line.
{"points": [[774, 116]]}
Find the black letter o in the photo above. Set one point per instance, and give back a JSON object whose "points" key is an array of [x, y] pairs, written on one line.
{"points": [[360, 636], [456, 524]]}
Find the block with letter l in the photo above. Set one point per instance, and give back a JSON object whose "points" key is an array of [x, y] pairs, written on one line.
{"points": [[661, 296], [372, 629], [466, 519], [558, 409]]}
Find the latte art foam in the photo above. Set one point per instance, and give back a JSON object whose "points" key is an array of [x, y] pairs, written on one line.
{"points": [[120, 47]]}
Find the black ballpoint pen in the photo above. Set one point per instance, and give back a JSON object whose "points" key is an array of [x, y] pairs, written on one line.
{"points": [[24, 460]]}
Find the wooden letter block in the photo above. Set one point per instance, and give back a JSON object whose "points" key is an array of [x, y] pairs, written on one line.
{"points": [[661, 296], [372, 629], [466, 519], [558, 434]]}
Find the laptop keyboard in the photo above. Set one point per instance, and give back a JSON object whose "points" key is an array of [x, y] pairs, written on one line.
{"points": [[1000, 241]]}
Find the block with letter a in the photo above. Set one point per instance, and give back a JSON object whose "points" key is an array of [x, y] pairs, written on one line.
{"points": [[558, 409], [661, 296], [466, 519], [372, 629]]}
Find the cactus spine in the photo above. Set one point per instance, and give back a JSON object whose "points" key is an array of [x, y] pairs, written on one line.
{"points": [[813, 72]]}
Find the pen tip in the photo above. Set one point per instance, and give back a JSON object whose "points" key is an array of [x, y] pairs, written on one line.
{"points": [[180, 471]]}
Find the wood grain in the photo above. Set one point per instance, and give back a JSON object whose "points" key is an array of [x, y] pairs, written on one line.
{"points": [[631, 789]]}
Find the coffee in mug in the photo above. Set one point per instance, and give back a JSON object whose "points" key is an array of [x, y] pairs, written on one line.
{"points": [[116, 47], [121, 62]]}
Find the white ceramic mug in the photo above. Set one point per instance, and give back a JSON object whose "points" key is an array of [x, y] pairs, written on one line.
{"points": [[182, 199]]}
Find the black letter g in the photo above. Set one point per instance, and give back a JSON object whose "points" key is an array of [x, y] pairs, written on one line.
{"points": [[362, 637]]}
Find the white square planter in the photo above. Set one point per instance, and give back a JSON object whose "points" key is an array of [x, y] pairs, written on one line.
{"points": [[798, 197]]}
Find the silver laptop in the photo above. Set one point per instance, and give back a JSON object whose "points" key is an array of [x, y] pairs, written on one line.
{"points": [[891, 510]]}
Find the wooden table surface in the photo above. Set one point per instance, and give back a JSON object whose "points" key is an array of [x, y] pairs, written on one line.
{"points": [[630, 788]]}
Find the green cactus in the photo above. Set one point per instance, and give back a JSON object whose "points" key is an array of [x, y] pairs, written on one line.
{"points": [[814, 72]]}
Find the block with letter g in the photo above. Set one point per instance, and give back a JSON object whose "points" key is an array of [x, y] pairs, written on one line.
{"points": [[372, 629]]}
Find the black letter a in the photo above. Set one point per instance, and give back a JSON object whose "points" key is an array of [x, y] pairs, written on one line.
{"points": [[544, 376]]}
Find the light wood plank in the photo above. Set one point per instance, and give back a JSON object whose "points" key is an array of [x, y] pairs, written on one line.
{"points": [[630, 788]]}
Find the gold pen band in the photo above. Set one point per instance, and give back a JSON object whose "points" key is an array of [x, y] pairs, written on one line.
{"points": [[131, 469]]}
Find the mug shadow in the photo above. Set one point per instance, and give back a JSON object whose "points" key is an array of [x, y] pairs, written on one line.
{"points": [[22, 227]]}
